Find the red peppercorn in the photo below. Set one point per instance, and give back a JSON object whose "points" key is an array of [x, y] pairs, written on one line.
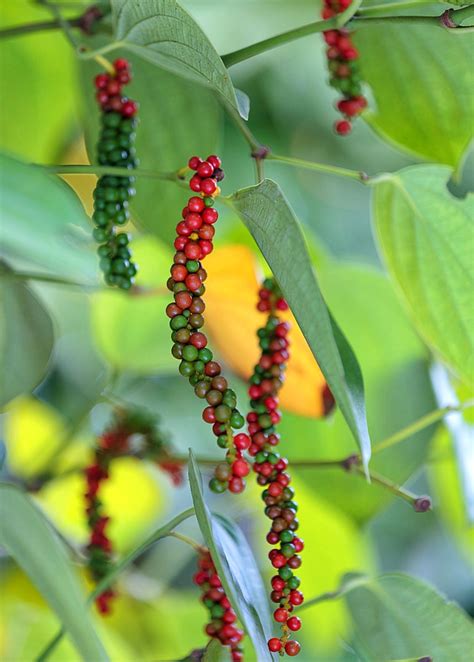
{"points": [[292, 648], [120, 64], [294, 623], [195, 184], [214, 161], [274, 645], [236, 485], [343, 127], [207, 186], [280, 615], [194, 162], [240, 468]]}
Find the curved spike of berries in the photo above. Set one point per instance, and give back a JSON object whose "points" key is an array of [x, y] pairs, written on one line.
{"points": [[116, 442], [272, 469], [222, 624], [343, 68], [195, 233], [112, 194]]}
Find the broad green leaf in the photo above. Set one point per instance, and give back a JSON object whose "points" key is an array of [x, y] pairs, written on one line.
{"points": [[43, 223], [235, 566], [215, 652], [423, 90], [25, 324], [398, 616], [273, 224], [38, 110], [161, 32], [165, 101], [43, 558], [394, 362], [427, 240]]}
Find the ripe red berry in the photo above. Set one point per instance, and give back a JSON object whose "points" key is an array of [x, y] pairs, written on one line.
{"points": [[207, 186], [178, 272], [101, 81], [194, 162], [195, 205], [129, 108], [292, 648], [209, 415], [274, 645], [214, 161], [241, 441], [343, 127], [121, 64], [195, 184], [280, 615], [296, 598], [240, 468], [294, 623], [236, 485], [192, 281], [205, 169], [210, 215]]}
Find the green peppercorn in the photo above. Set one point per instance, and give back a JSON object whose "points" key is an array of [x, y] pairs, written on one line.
{"points": [[217, 486], [190, 353], [222, 413]]}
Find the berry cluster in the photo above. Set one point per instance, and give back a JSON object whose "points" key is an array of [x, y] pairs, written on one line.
{"points": [[222, 617], [194, 241], [116, 442], [112, 194], [270, 467], [343, 68]]}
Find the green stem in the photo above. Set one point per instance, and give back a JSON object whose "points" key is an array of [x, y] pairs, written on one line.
{"points": [[321, 167], [110, 170], [41, 26], [348, 584], [381, 10], [189, 541], [63, 23], [420, 424], [363, 18], [162, 532], [291, 35], [386, 483]]}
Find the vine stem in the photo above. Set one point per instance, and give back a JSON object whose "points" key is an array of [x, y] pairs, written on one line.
{"points": [[112, 170], [359, 176], [362, 18], [188, 540], [39, 26]]}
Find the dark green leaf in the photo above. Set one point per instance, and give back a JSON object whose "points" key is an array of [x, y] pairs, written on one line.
{"points": [[273, 224], [426, 236], [423, 90], [161, 32], [44, 223], [30, 540], [26, 338], [235, 566]]}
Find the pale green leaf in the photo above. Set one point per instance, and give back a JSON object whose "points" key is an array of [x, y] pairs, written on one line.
{"points": [[24, 324], [163, 33], [398, 616], [427, 240], [421, 78], [29, 539], [44, 223]]}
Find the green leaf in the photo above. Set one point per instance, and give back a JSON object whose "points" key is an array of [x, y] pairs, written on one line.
{"points": [[25, 324], [423, 90], [397, 616], [39, 107], [426, 239], [165, 101], [235, 565], [161, 32], [30, 540], [215, 652], [44, 223], [394, 361], [272, 222]]}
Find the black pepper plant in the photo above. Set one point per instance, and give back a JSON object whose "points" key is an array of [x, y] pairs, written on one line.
{"points": [[89, 389]]}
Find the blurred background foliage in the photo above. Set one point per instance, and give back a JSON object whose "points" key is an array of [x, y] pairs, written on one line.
{"points": [[107, 342]]}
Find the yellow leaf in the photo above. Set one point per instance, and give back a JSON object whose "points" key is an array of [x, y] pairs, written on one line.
{"points": [[33, 432], [132, 498], [83, 185], [232, 321]]}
